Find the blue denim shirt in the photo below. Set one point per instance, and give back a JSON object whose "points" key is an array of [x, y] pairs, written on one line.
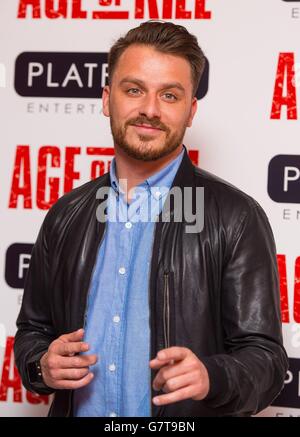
{"points": [[117, 325]]}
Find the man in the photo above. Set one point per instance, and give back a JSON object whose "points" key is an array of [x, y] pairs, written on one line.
{"points": [[132, 317]]}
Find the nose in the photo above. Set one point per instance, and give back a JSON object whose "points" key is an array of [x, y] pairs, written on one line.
{"points": [[150, 106]]}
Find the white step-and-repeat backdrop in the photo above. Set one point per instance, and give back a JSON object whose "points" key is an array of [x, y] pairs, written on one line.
{"points": [[53, 136]]}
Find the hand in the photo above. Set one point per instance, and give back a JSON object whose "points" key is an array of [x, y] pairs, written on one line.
{"points": [[62, 368], [182, 376]]}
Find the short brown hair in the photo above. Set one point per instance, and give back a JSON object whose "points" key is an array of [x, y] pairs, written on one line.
{"points": [[165, 37]]}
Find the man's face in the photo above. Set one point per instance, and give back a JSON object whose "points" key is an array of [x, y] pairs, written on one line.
{"points": [[149, 102]]}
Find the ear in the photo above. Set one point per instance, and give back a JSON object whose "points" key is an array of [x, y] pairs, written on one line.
{"points": [[105, 100], [193, 111]]}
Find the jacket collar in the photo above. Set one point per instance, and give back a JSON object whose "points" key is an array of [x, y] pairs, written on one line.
{"points": [[185, 174]]}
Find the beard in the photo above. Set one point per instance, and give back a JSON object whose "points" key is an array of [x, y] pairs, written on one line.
{"points": [[144, 147]]}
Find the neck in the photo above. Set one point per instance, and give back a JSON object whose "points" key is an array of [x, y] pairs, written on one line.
{"points": [[136, 171]]}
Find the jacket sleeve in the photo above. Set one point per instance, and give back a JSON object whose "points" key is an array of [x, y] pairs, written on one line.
{"points": [[34, 325], [251, 372]]}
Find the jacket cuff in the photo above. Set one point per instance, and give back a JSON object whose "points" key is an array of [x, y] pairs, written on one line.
{"points": [[218, 382], [38, 387]]}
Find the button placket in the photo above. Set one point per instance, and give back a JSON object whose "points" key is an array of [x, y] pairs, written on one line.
{"points": [[114, 364]]}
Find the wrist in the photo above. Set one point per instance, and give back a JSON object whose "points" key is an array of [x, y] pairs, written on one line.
{"points": [[35, 371]]}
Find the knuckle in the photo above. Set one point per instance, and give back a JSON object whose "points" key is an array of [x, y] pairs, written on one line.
{"points": [[186, 392], [53, 346], [68, 348], [61, 339], [76, 362], [51, 362], [78, 373], [169, 385], [193, 364], [53, 374], [164, 375], [197, 366]]}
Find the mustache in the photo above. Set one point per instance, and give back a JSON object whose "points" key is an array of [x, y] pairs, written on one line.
{"points": [[155, 123]]}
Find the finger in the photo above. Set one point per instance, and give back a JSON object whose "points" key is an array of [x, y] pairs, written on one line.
{"points": [[169, 372], [181, 381], [70, 374], [169, 355], [74, 384], [158, 364], [176, 396], [77, 362], [173, 353], [69, 349], [72, 336]]}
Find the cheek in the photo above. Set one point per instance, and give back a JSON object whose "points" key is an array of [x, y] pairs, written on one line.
{"points": [[176, 116], [123, 107], [176, 122]]}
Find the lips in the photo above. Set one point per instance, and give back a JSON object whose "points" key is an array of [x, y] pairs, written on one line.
{"points": [[147, 127]]}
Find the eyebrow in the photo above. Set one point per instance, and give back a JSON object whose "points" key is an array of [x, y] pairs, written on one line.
{"points": [[143, 85]]}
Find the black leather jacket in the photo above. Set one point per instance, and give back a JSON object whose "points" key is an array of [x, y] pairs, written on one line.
{"points": [[215, 292]]}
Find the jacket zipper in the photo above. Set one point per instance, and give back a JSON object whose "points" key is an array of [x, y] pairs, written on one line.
{"points": [[166, 322], [166, 311], [85, 315]]}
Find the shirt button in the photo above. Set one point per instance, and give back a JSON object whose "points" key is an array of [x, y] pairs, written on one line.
{"points": [[128, 225], [116, 319], [113, 414], [122, 270], [112, 367], [157, 194]]}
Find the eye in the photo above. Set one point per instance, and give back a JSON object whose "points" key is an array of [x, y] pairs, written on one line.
{"points": [[133, 91], [170, 96]]}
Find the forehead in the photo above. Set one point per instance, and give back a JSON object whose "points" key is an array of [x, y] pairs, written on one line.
{"points": [[148, 64]]}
